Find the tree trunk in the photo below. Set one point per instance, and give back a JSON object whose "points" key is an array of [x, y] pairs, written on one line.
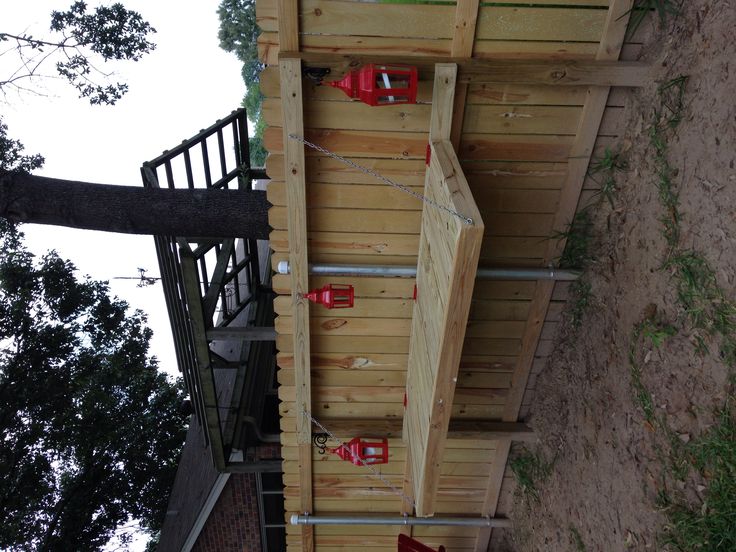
{"points": [[207, 213]]}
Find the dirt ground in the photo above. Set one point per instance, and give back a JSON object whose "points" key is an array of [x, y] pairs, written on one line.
{"points": [[608, 466]]}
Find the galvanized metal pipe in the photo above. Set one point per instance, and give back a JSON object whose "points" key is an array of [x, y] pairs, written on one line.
{"points": [[557, 274], [306, 519]]}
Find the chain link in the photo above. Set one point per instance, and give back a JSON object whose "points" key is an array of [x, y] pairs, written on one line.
{"points": [[375, 473], [366, 170]]}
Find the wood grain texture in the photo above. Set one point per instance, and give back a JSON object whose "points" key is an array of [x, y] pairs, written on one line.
{"points": [[445, 279], [291, 94]]}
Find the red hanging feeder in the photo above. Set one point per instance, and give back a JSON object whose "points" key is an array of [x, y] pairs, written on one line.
{"points": [[381, 84], [333, 296], [359, 448]]}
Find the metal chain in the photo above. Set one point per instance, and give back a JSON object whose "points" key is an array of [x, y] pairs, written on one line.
{"points": [[366, 170], [375, 473]]}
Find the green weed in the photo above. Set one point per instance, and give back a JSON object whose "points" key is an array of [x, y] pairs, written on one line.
{"points": [[642, 8], [578, 240], [603, 172], [530, 468], [704, 303], [712, 524], [577, 539], [580, 296], [656, 333]]}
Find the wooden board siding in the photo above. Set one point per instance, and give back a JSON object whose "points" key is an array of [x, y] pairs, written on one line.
{"points": [[514, 144]]}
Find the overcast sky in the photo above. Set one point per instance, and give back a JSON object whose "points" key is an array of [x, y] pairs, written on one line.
{"points": [[183, 86]]}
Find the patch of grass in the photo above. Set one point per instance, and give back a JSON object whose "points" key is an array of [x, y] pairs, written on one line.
{"points": [[664, 8], [603, 171], [529, 468], [656, 333], [666, 117], [712, 524], [577, 540], [580, 295], [578, 240], [704, 302]]}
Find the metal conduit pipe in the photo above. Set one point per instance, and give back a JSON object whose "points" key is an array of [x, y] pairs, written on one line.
{"points": [[558, 274], [306, 519]]}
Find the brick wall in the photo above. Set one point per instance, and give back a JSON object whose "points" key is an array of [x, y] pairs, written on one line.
{"points": [[234, 523]]}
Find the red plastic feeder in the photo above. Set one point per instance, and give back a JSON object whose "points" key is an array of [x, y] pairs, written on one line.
{"points": [[371, 452], [333, 296], [381, 84]]}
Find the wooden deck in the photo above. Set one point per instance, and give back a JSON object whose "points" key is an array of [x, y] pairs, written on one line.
{"points": [[524, 149]]}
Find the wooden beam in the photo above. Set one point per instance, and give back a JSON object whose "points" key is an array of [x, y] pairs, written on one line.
{"points": [[458, 429], [288, 17], [466, 18], [609, 50], [193, 299], [569, 72], [218, 275], [252, 333], [291, 98], [482, 430]]}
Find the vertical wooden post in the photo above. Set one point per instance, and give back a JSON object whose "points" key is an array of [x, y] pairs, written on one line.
{"points": [[294, 168], [466, 18]]}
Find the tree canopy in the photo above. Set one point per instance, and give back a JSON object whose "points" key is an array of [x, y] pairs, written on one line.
{"points": [[239, 34], [80, 41], [91, 429]]}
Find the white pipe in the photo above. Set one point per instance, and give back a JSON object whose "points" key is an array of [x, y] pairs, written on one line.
{"points": [[306, 519], [559, 274]]}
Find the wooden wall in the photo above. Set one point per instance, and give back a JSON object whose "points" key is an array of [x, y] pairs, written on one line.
{"points": [[514, 149]]}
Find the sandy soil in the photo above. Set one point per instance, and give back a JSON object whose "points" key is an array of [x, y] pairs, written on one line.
{"points": [[608, 464]]}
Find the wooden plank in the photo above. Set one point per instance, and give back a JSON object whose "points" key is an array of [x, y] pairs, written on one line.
{"points": [[432, 20], [356, 143], [353, 116], [242, 334], [409, 172], [218, 274], [599, 72], [288, 25], [202, 354], [291, 94], [417, 48], [466, 16]]}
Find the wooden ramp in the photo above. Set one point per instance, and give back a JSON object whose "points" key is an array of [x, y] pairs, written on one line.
{"points": [[449, 249]]}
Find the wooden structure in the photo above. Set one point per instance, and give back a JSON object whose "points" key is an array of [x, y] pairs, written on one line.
{"points": [[221, 314], [522, 137]]}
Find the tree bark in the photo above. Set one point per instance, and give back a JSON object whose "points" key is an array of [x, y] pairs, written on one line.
{"points": [[206, 213]]}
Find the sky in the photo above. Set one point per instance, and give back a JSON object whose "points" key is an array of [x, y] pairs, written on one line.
{"points": [[181, 87]]}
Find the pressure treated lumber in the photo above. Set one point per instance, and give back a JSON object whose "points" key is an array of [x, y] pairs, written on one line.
{"points": [[508, 71], [457, 430], [288, 25], [291, 97], [449, 249]]}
